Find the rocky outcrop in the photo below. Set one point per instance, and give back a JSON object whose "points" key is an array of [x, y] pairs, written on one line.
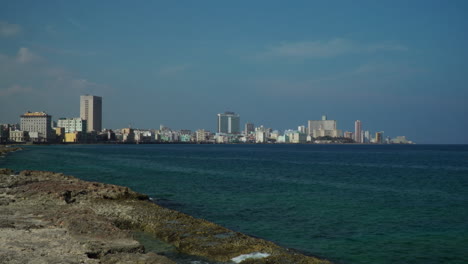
{"points": [[60, 219], [5, 149]]}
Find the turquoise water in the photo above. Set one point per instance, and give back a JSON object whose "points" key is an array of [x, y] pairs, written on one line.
{"points": [[346, 203]]}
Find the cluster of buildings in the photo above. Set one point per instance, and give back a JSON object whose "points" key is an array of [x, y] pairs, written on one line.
{"points": [[38, 127]]}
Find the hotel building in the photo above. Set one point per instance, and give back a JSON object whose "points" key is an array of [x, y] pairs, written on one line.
{"points": [[91, 111], [39, 126], [229, 123]]}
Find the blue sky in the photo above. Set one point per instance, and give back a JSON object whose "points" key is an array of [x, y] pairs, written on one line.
{"points": [[398, 66]]}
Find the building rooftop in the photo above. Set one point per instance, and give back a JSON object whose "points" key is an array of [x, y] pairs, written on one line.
{"points": [[35, 114]]}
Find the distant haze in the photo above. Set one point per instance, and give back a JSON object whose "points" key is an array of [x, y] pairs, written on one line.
{"points": [[398, 66]]}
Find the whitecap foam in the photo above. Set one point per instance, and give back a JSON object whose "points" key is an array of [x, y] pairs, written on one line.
{"points": [[255, 255]]}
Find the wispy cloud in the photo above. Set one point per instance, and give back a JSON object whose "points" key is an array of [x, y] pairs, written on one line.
{"points": [[173, 69], [27, 69], [26, 56], [60, 51], [9, 30], [15, 89], [76, 24], [324, 49]]}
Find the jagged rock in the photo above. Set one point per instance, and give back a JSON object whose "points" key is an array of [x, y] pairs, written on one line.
{"points": [[69, 220]]}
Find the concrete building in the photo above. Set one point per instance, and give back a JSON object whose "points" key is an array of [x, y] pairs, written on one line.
{"points": [[249, 128], [379, 137], [91, 111], [40, 123], [18, 136], [229, 123], [128, 135], [357, 132], [367, 137], [323, 128], [401, 140], [302, 129], [348, 134], [71, 125], [73, 137], [260, 136], [296, 137], [200, 135]]}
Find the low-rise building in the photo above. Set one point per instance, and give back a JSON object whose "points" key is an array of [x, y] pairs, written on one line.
{"points": [[73, 137], [18, 136]]}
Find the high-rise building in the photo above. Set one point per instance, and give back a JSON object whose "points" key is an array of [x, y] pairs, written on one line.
{"points": [[91, 111], [249, 128], [324, 127], [229, 123], [39, 126], [302, 129], [357, 131]]}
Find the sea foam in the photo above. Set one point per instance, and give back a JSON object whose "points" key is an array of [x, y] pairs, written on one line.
{"points": [[255, 255]]}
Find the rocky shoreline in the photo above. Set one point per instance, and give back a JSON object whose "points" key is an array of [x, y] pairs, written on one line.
{"points": [[6, 149], [48, 217]]}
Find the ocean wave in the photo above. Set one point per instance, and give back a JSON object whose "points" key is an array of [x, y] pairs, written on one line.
{"points": [[255, 255]]}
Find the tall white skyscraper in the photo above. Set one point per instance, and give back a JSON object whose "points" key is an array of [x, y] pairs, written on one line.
{"points": [[91, 110], [357, 131], [229, 123]]}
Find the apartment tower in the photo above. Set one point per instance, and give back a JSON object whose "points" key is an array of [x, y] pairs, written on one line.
{"points": [[229, 123], [357, 131], [91, 111]]}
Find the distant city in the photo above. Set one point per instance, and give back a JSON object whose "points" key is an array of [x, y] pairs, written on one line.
{"points": [[38, 127]]}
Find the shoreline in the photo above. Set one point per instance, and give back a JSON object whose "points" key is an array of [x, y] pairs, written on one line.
{"points": [[98, 219]]}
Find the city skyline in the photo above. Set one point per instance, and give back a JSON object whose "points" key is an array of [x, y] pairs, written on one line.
{"points": [[399, 67]]}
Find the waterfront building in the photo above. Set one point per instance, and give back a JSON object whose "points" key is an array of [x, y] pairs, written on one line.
{"points": [[260, 136], [348, 134], [302, 129], [249, 128], [200, 135], [71, 125], [128, 135], [18, 136], [324, 127], [91, 111], [296, 137], [73, 137], [367, 137], [283, 139], [274, 135], [379, 137], [38, 125], [357, 131], [229, 123], [401, 140]]}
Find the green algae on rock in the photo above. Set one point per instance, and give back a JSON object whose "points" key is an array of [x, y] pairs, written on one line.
{"points": [[98, 219]]}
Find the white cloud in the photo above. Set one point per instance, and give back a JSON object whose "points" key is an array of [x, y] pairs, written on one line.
{"points": [[311, 49], [9, 30], [325, 49], [15, 89], [25, 56], [27, 69]]}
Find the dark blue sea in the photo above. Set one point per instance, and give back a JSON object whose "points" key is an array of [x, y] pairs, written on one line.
{"points": [[347, 203]]}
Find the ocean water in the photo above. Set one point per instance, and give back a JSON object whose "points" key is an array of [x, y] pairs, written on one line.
{"points": [[347, 203]]}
